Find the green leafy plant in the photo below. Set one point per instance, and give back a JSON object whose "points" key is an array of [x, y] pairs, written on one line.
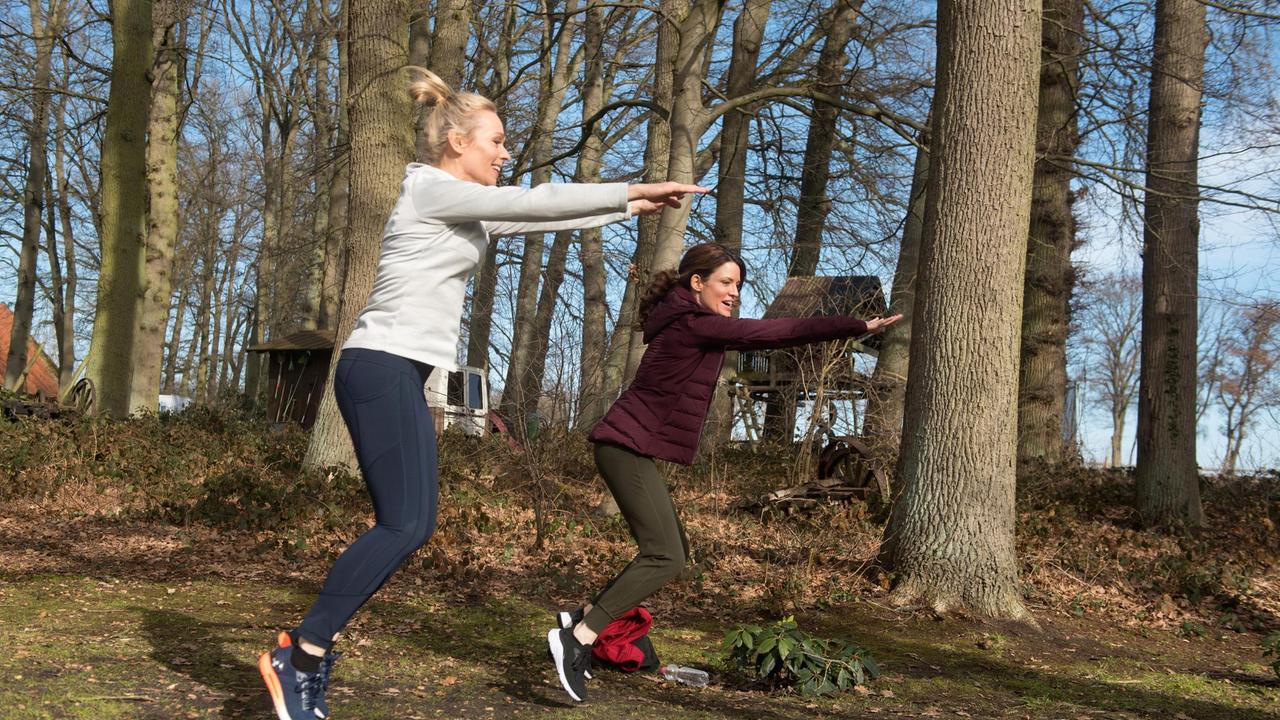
{"points": [[784, 655], [1271, 648]]}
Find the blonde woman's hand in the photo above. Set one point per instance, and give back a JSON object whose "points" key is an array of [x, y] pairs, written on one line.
{"points": [[875, 325], [665, 193]]}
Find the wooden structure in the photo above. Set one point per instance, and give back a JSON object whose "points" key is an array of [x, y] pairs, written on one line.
{"points": [[821, 372], [784, 377], [298, 366]]}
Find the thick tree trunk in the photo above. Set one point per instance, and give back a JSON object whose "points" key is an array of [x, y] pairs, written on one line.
{"points": [[162, 216], [1050, 277], [32, 198], [381, 145], [950, 540], [886, 400], [124, 177], [1167, 481]]}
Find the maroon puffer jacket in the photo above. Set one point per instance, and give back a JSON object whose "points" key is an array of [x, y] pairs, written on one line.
{"points": [[662, 413]]}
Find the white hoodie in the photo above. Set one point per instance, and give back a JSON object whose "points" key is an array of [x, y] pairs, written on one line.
{"points": [[435, 239]]}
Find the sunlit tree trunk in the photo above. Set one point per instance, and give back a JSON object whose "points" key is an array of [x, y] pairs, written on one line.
{"points": [[381, 144], [124, 178], [164, 126], [950, 539]]}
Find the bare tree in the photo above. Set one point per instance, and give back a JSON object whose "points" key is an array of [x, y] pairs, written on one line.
{"points": [[1110, 315], [43, 31], [950, 539], [1249, 378]]}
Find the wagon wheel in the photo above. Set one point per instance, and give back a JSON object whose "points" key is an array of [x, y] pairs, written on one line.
{"points": [[84, 397], [851, 463]]}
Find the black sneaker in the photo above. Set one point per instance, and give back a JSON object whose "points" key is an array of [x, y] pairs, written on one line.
{"points": [[567, 620], [571, 659]]}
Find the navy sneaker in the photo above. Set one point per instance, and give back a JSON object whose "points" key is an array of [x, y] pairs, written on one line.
{"points": [[571, 659], [567, 620], [285, 640], [293, 693]]}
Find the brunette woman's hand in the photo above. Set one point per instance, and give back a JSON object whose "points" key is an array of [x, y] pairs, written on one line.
{"points": [[645, 207], [878, 324], [665, 193]]}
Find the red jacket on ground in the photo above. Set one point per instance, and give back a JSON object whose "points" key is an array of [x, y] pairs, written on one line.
{"points": [[616, 644], [661, 414]]}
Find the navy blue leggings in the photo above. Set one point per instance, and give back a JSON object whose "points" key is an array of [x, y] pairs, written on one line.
{"points": [[381, 400]]}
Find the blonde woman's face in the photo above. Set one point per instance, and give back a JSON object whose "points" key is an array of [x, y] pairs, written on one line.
{"points": [[718, 292], [482, 154]]}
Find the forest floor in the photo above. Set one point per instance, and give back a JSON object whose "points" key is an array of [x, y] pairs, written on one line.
{"points": [[112, 610]]}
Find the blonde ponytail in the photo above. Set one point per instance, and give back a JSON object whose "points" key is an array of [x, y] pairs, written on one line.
{"points": [[441, 110]]}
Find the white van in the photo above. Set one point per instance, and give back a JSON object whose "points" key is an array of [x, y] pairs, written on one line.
{"points": [[459, 400]]}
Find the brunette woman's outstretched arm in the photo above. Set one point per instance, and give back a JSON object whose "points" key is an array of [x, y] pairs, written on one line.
{"points": [[743, 334]]}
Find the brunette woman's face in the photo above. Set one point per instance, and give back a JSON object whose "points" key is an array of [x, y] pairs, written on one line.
{"points": [[718, 292], [480, 155]]}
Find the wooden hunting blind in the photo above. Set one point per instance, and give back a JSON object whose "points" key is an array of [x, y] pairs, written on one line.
{"points": [[298, 366], [819, 371]]}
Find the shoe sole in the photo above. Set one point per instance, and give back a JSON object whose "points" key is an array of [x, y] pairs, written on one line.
{"points": [[273, 686], [557, 656]]}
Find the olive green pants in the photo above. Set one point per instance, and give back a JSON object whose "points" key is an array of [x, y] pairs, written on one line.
{"points": [[646, 505]]}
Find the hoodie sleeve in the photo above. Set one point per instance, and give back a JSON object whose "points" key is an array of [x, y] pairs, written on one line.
{"points": [[451, 200], [741, 334]]}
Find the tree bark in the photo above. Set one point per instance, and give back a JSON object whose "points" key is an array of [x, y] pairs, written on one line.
{"points": [[886, 400], [625, 346], [124, 177], [950, 539], [381, 145], [163, 127], [448, 53], [1168, 491], [1050, 277]]}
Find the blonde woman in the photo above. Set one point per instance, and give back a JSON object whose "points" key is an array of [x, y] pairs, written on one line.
{"points": [[448, 207]]}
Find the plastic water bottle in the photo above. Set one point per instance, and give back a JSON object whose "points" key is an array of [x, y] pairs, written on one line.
{"points": [[693, 677]]}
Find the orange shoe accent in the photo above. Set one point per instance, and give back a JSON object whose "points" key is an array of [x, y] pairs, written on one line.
{"points": [[273, 685]]}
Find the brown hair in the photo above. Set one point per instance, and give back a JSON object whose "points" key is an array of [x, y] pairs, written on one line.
{"points": [[701, 260], [441, 110]]}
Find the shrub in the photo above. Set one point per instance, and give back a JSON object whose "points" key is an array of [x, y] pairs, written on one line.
{"points": [[784, 655]]}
